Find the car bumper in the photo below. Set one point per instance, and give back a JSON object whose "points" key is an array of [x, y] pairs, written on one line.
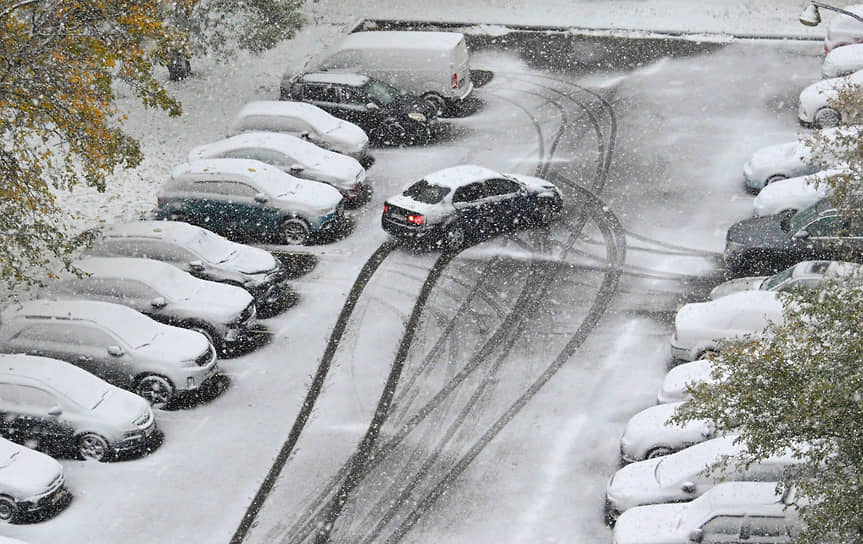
{"points": [[679, 352], [404, 231], [194, 379], [272, 293], [804, 116], [139, 441], [56, 499]]}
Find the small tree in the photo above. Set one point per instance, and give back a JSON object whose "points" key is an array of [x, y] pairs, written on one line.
{"points": [[801, 384], [58, 123]]}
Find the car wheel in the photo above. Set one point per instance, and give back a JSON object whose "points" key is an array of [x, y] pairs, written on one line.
{"points": [[295, 231], [776, 177], [92, 446], [454, 238], [158, 391], [657, 452], [827, 117], [437, 103], [8, 510]]}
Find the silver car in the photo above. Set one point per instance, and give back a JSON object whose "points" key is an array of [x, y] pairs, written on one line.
{"points": [[57, 407], [116, 343], [223, 313], [30, 483], [201, 253]]}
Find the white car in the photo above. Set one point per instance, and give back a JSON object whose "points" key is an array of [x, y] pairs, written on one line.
{"points": [[842, 61], [223, 313], [817, 107], [648, 434], [843, 30], [687, 474], [30, 483], [793, 194], [679, 378], [116, 343], [58, 407], [702, 327], [752, 512], [295, 156], [305, 121], [806, 274], [247, 198]]}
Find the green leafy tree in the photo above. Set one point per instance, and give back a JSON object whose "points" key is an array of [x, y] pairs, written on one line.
{"points": [[59, 127], [801, 384]]}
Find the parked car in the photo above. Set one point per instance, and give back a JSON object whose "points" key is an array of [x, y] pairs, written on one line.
{"points": [[223, 313], [60, 408], [701, 327], [769, 244], [843, 61], [751, 512], [454, 204], [806, 274], [30, 483], [245, 198], [787, 196], [114, 342], [201, 253], [677, 381], [688, 474], [305, 121], [387, 115], [294, 156], [433, 65], [648, 433], [843, 30], [817, 105]]}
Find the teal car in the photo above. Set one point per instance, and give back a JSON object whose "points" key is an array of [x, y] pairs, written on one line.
{"points": [[242, 198]]}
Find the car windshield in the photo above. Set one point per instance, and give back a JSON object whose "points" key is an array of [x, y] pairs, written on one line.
{"points": [[212, 248], [802, 218], [423, 191], [80, 386], [176, 284], [8, 453], [381, 93], [775, 280], [134, 328]]}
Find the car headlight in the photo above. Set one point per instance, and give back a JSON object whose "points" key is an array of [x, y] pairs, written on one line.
{"points": [[416, 116]]}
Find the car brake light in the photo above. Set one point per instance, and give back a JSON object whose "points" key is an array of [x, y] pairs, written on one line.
{"points": [[455, 81], [416, 219], [385, 208]]}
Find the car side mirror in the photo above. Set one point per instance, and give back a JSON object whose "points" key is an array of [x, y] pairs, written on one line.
{"points": [[115, 351], [158, 302], [687, 487], [296, 168], [261, 198], [371, 106], [801, 234], [55, 411], [696, 535], [304, 135], [197, 266]]}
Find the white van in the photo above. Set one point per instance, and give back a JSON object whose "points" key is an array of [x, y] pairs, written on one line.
{"points": [[434, 65]]}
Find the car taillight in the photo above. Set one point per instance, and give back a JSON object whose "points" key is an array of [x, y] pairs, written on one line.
{"points": [[455, 81], [416, 219], [158, 201], [385, 208]]}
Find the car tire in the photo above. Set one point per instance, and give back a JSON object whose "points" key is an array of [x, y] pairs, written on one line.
{"points": [[92, 446], [157, 390], [454, 238], [8, 510], [657, 452], [827, 117], [774, 178], [295, 231], [437, 102]]}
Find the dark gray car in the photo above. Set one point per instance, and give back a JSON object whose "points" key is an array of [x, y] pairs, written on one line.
{"points": [[764, 245]]}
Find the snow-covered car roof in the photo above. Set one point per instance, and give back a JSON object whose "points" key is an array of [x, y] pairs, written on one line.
{"points": [[276, 141], [353, 80], [458, 176], [147, 271], [61, 375], [175, 231], [270, 179], [287, 108], [401, 39]]}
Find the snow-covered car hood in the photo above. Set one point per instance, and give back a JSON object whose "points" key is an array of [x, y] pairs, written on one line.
{"points": [[310, 197], [842, 61], [339, 170], [653, 524], [737, 285], [174, 345], [781, 158], [649, 429], [673, 388], [789, 194], [635, 484], [819, 93], [347, 138], [250, 260], [700, 325], [536, 185], [121, 408], [220, 301], [24, 472]]}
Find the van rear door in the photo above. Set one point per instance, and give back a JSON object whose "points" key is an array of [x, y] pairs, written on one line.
{"points": [[460, 83]]}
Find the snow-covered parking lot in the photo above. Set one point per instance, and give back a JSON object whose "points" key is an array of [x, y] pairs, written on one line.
{"points": [[532, 350]]}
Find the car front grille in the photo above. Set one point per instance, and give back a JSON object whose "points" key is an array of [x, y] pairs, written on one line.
{"points": [[144, 420], [207, 357], [248, 313]]}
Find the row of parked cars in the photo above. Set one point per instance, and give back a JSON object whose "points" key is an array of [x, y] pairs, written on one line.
{"points": [[677, 484]]}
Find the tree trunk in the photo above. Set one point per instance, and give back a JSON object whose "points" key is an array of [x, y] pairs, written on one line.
{"points": [[179, 67]]}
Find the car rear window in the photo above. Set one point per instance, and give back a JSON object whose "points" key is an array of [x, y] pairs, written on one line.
{"points": [[423, 191]]}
